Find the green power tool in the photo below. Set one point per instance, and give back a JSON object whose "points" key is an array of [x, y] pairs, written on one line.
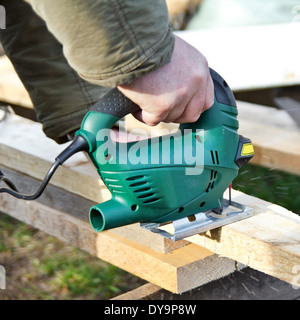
{"points": [[180, 177]]}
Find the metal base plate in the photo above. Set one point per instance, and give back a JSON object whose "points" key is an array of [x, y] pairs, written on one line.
{"points": [[201, 222]]}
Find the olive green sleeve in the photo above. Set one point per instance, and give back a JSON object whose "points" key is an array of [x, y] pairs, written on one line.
{"points": [[110, 42]]}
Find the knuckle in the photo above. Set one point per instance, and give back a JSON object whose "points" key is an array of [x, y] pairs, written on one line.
{"points": [[200, 74], [183, 94], [199, 77]]}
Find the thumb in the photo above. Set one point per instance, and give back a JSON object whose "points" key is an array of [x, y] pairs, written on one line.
{"points": [[147, 117]]}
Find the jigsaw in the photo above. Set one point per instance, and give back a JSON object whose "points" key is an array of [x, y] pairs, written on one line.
{"points": [[157, 181]]}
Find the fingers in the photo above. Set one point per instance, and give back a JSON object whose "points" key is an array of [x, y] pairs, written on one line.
{"points": [[177, 92], [185, 111], [210, 93], [151, 119], [200, 102]]}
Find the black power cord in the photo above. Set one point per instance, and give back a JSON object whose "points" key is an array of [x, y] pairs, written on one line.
{"points": [[78, 144]]}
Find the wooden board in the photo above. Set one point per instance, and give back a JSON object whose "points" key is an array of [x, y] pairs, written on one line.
{"points": [[11, 88], [251, 57], [274, 147], [269, 241], [275, 136], [246, 284], [178, 271], [182, 6]]}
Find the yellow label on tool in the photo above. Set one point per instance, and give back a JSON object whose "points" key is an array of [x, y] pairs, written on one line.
{"points": [[247, 150]]}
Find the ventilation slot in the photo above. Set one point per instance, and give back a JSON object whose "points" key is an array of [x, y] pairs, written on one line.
{"points": [[213, 176], [142, 190], [217, 157], [138, 184], [214, 157], [114, 185], [115, 188], [135, 178], [207, 189], [135, 181], [146, 195], [151, 200]]}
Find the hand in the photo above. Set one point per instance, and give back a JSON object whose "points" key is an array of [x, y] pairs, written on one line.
{"points": [[177, 92]]}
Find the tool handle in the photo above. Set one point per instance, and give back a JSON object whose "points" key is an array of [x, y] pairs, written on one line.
{"points": [[116, 104]]}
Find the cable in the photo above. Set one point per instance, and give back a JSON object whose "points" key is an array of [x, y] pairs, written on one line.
{"points": [[78, 144], [6, 110], [40, 189], [7, 181]]}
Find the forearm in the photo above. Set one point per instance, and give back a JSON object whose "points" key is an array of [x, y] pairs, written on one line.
{"points": [[110, 42]]}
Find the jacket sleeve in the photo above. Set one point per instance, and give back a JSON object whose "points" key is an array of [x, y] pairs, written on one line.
{"points": [[110, 42]]}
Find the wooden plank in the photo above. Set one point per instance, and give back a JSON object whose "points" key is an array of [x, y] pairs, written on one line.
{"points": [[190, 266], [274, 147], [251, 57], [291, 105], [178, 271], [148, 291], [246, 284], [151, 240], [269, 241], [275, 136], [182, 6], [11, 88], [266, 115]]}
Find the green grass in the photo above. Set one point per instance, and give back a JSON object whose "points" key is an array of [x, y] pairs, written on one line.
{"points": [[39, 266], [271, 185]]}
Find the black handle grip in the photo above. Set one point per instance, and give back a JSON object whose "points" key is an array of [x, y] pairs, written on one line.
{"points": [[223, 93], [116, 104]]}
